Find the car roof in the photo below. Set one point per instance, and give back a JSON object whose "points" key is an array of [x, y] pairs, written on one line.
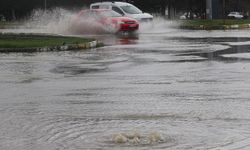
{"points": [[111, 3], [122, 3], [96, 10], [100, 10]]}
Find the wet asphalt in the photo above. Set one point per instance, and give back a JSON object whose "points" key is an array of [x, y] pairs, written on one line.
{"points": [[190, 87]]}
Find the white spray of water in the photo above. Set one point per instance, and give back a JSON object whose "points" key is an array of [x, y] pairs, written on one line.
{"points": [[56, 20], [158, 25], [61, 21]]}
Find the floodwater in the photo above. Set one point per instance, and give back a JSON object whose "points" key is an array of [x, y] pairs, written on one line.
{"points": [[190, 88]]}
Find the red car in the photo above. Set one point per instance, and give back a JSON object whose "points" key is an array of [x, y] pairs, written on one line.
{"points": [[100, 20]]}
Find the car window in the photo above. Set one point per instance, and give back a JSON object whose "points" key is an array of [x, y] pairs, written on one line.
{"points": [[104, 6], [118, 10], [95, 7], [131, 9]]}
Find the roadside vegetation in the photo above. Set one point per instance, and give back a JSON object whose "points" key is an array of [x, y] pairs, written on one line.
{"points": [[212, 24], [215, 22], [35, 41]]}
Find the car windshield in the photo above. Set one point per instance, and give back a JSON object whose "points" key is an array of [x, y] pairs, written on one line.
{"points": [[110, 14], [234, 13], [131, 9]]}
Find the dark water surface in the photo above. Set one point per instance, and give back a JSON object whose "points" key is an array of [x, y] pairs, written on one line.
{"points": [[191, 87]]}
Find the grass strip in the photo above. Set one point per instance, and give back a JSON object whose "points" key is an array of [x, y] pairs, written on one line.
{"points": [[213, 23], [36, 41]]}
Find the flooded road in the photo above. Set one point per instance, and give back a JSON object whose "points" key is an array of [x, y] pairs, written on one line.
{"points": [[190, 88]]}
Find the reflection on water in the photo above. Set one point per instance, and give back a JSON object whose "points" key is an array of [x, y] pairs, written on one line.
{"points": [[149, 91]]}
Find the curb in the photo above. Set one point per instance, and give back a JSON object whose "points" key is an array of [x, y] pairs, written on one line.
{"points": [[80, 46]]}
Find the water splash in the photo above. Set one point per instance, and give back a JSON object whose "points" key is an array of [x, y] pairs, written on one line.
{"points": [[158, 25], [56, 20], [135, 138], [62, 21]]}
